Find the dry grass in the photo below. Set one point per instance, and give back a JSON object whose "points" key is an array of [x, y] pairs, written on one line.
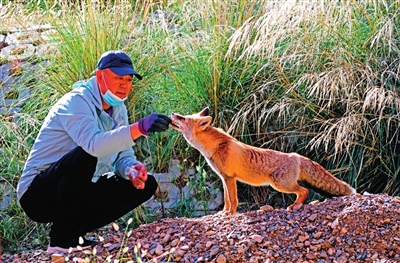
{"points": [[330, 83]]}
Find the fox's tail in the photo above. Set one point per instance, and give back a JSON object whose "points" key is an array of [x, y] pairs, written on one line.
{"points": [[319, 179]]}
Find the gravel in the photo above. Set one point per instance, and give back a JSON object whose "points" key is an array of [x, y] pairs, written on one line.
{"points": [[358, 228]]}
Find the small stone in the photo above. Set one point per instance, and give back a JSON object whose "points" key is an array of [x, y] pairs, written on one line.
{"points": [[199, 245], [335, 223], [266, 208], [159, 250], [185, 247], [323, 254], [257, 238], [315, 248], [175, 242], [178, 254], [313, 217], [303, 238], [221, 259], [318, 235], [214, 251], [310, 256], [300, 244], [166, 238], [57, 258]]}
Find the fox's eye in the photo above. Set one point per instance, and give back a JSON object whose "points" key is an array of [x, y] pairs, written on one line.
{"points": [[203, 123]]}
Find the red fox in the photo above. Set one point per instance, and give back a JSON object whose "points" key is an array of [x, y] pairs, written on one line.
{"points": [[233, 160]]}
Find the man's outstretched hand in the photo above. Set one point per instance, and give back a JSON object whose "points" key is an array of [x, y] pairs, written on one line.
{"points": [[137, 175], [154, 122]]}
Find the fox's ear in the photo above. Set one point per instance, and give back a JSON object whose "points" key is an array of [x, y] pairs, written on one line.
{"points": [[205, 112], [205, 122]]}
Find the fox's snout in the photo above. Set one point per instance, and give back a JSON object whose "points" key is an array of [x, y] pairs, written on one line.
{"points": [[175, 118]]}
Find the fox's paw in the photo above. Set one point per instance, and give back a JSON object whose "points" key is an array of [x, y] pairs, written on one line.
{"points": [[295, 207], [223, 213]]}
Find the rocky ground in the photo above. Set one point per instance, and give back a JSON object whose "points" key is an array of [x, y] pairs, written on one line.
{"points": [[360, 228]]}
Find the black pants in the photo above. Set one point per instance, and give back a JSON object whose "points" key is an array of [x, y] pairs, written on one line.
{"points": [[65, 195]]}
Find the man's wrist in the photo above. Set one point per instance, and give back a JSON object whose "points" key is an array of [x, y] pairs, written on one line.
{"points": [[135, 131]]}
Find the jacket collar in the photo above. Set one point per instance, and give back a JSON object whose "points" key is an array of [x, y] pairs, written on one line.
{"points": [[91, 89]]}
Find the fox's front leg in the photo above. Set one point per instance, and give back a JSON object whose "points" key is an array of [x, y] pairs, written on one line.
{"points": [[227, 202], [230, 193]]}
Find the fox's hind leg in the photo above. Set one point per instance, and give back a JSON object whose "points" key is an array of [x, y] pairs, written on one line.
{"points": [[301, 193], [284, 179], [293, 188]]}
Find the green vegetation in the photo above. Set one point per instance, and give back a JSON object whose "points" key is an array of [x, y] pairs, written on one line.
{"points": [[320, 78]]}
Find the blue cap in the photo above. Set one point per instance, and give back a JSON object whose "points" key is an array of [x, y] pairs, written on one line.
{"points": [[118, 62]]}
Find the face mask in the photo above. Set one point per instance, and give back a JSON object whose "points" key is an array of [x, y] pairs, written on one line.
{"points": [[110, 98]]}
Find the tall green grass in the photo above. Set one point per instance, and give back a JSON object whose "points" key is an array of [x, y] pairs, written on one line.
{"points": [[321, 79]]}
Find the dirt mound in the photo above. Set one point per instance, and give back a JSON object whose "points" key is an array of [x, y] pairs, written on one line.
{"points": [[359, 228]]}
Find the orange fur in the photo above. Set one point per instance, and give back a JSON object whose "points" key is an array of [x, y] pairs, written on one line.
{"points": [[233, 160]]}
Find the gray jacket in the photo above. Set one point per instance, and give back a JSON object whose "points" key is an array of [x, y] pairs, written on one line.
{"points": [[78, 119]]}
